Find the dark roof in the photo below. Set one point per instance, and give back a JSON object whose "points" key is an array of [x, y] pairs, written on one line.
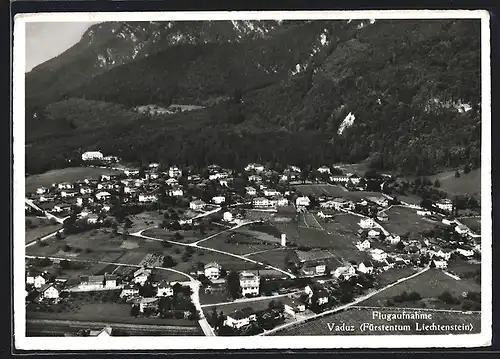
{"points": [[243, 313]]}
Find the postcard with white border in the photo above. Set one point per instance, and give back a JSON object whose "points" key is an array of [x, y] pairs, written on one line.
{"points": [[252, 180]]}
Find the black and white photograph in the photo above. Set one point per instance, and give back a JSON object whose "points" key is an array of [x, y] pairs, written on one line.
{"points": [[252, 180]]}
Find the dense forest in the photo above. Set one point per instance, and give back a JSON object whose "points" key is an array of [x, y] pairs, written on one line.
{"points": [[278, 98]]}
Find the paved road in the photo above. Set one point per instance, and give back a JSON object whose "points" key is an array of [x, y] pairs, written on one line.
{"points": [[47, 214], [50, 235], [345, 306]]}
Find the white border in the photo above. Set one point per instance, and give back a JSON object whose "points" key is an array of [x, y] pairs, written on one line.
{"points": [[256, 342]]}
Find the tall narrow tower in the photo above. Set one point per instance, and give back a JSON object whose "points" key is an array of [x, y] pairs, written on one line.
{"points": [[283, 239]]}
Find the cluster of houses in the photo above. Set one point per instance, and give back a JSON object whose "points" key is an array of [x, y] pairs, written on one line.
{"points": [[47, 288]]}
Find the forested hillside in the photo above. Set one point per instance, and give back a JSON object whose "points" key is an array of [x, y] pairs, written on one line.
{"points": [[411, 86]]}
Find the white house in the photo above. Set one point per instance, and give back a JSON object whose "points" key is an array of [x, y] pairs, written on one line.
{"points": [[440, 263], [254, 167], [92, 219], [174, 171], [281, 201], [365, 267], [363, 246], [37, 280], [64, 185], [366, 223], [445, 205], [344, 272], [292, 306], [303, 201], [465, 252], [103, 333], [176, 192], [141, 275], [129, 291], [66, 193], [393, 239], [86, 190], [240, 318], [262, 202], [218, 199], [130, 172], [270, 192], [324, 169], [250, 191], [103, 195], [254, 178], [197, 205], [148, 198], [378, 254], [372, 233], [249, 283], [212, 270], [92, 155], [42, 190], [49, 291], [164, 290], [227, 216], [325, 214]]}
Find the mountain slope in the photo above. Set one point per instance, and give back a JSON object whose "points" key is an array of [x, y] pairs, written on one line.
{"points": [[410, 87]]}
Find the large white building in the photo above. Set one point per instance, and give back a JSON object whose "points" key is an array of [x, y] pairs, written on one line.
{"points": [[92, 155], [302, 201], [249, 283], [212, 270], [366, 223], [445, 205]]}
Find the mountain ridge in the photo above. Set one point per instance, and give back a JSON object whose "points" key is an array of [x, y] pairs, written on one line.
{"points": [[412, 85]]}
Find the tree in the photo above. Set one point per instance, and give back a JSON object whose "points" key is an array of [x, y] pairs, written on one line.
{"points": [[233, 284], [169, 262], [65, 264], [457, 174], [437, 184], [466, 169], [134, 311]]}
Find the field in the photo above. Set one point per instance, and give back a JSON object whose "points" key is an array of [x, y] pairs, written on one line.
{"points": [[391, 275], [474, 223], [355, 317], [145, 220], [339, 236], [71, 174], [404, 220], [188, 236], [429, 285], [39, 227], [237, 243], [463, 268], [321, 190], [469, 184], [275, 258]]}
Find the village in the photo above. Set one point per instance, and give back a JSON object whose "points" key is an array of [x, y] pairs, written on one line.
{"points": [[224, 252]]}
